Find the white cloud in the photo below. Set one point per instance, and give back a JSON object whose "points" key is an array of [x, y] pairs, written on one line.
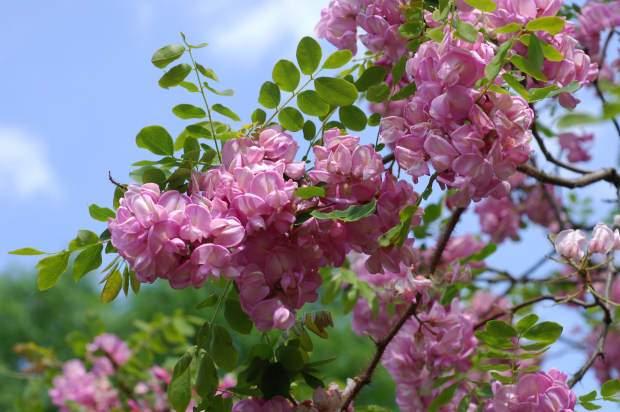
{"points": [[248, 33], [25, 170]]}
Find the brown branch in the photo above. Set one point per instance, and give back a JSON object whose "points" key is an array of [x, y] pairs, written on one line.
{"points": [[382, 344], [531, 302], [115, 183], [599, 352], [608, 175], [597, 86], [549, 156]]}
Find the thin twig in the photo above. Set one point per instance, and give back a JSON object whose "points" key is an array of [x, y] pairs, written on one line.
{"points": [[549, 156], [382, 344], [115, 183], [608, 175]]}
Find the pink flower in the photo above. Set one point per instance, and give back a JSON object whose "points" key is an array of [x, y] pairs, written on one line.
{"points": [[571, 244], [112, 347], [602, 240], [338, 25], [77, 387], [574, 145], [499, 218], [351, 172], [540, 391], [276, 404]]}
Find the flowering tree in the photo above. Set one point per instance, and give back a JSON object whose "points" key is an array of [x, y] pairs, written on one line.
{"points": [[271, 214]]}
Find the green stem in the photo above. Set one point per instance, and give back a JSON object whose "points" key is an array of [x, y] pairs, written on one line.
{"points": [[204, 98], [220, 300], [318, 133], [293, 95]]}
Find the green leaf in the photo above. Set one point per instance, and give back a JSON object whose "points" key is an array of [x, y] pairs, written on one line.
{"points": [[309, 55], [398, 71], [404, 92], [269, 95], [189, 86], [188, 111], [206, 380], [466, 31], [482, 5], [222, 349], [378, 93], [211, 300], [549, 24], [547, 332], [435, 34], [590, 406], [590, 396], [291, 119], [308, 192], [207, 72], [493, 68], [26, 251], [225, 92], [83, 238], [371, 76], [155, 139], [444, 397], [286, 75], [535, 55], [180, 388], [311, 103], [225, 111], [500, 329], [527, 68], [338, 59], [259, 116], [350, 214], [524, 324], [167, 54], [508, 28], [274, 381], [374, 120], [516, 85], [431, 213], [101, 214], [610, 389], [175, 75], [50, 268], [112, 287], [88, 260], [236, 317], [353, 118], [309, 130], [153, 175], [575, 119], [337, 92]]}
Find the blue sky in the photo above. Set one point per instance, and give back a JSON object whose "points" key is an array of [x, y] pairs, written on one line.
{"points": [[77, 85]]}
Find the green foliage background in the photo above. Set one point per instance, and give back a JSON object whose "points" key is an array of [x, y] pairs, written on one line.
{"points": [[72, 311]]}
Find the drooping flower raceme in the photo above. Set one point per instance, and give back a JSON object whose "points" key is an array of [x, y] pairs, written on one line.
{"points": [[540, 391]]}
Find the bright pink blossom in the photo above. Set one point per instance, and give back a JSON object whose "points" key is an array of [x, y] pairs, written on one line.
{"points": [[540, 391]]}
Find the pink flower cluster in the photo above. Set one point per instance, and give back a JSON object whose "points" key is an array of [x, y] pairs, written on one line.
{"points": [[440, 342], [596, 17], [575, 65], [502, 218], [380, 20], [328, 399], [240, 221], [91, 390], [574, 245], [576, 146], [473, 141], [79, 387], [540, 391]]}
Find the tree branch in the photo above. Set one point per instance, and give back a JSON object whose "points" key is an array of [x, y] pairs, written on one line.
{"points": [[381, 345], [608, 175], [549, 156]]}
